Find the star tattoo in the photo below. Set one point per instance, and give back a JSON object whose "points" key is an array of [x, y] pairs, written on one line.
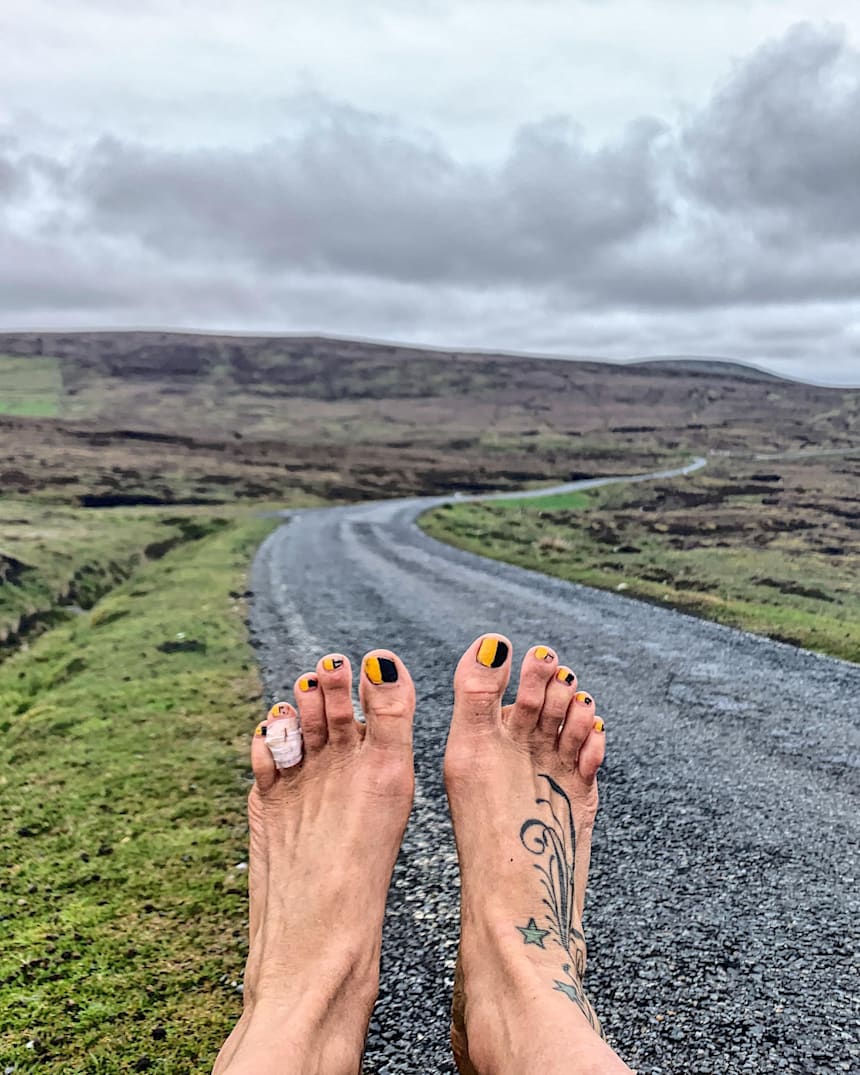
{"points": [[532, 934]]}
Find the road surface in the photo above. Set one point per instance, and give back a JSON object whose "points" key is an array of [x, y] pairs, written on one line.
{"points": [[722, 907]]}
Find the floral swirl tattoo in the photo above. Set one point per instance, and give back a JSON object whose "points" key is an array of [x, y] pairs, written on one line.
{"points": [[552, 839]]}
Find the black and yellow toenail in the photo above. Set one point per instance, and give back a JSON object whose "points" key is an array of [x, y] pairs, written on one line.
{"points": [[543, 653], [566, 676], [492, 653], [278, 710], [599, 725], [260, 730], [583, 698], [331, 664], [308, 683], [380, 670]]}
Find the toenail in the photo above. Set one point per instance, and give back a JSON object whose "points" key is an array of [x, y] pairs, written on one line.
{"points": [[583, 698], [492, 653], [380, 670], [279, 710], [566, 676], [543, 653], [598, 725], [260, 730], [331, 663], [308, 683]]}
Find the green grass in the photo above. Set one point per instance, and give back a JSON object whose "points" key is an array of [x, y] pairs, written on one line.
{"points": [[30, 387], [785, 593], [53, 556], [122, 915], [558, 502]]}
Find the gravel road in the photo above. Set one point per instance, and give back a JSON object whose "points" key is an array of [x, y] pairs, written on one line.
{"points": [[722, 908]]}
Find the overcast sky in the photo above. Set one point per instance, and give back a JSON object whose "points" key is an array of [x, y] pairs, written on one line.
{"points": [[601, 178]]}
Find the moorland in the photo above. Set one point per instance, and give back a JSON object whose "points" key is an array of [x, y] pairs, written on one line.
{"points": [[136, 474]]}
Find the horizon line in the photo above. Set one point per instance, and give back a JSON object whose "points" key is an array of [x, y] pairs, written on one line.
{"points": [[381, 342]]}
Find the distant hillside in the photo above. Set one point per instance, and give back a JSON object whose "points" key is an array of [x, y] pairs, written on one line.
{"points": [[132, 415], [710, 367], [197, 354]]}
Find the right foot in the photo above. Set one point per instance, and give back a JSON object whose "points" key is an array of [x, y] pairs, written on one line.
{"points": [[324, 838], [521, 782]]}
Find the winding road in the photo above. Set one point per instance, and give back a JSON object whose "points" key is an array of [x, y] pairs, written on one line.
{"points": [[723, 902]]}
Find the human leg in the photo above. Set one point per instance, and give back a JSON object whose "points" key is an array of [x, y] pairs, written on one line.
{"points": [[521, 782], [324, 838]]}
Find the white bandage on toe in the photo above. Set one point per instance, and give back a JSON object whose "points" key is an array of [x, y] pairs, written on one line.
{"points": [[284, 739]]}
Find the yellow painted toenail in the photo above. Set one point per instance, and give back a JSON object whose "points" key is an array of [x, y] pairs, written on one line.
{"points": [[542, 653], [566, 676], [583, 698], [307, 683], [259, 730], [380, 670], [598, 725], [492, 653], [278, 710], [330, 664]]}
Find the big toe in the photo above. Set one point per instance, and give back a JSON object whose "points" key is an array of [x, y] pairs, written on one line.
{"points": [[480, 681], [387, 697]]}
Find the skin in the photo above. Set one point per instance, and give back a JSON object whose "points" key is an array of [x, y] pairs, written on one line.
{"points": [[514, 776], [325, 834], [324, 838]]}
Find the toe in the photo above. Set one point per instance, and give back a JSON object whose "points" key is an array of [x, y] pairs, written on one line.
{"points": [[559, 696], [334, 676], [480, 681], [311, 706], [538, 668], [387, 697], [592, 751], [578, 723], [262, 761]]}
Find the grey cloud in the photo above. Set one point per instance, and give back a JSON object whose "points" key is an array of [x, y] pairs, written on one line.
{"points": [[676, 218], [14, 173], [354, 193], [40, 275], [9, 178], [782, 135], [565, 199]]}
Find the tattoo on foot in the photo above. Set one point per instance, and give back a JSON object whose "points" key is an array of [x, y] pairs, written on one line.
{"points": [[553, 841]]}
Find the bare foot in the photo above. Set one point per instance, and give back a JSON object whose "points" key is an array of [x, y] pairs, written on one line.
{"points": [[324, 837], [522, 786]]}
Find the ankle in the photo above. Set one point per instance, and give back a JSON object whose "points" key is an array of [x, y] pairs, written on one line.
{"points": [[281, 983], [509, 990], [315, 1032], [295, 1023]]}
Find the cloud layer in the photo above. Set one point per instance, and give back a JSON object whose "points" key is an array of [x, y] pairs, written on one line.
{"points": [[733, 231]]}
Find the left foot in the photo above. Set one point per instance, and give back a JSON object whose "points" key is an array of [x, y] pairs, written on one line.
{"points": [[324, 836], [521, 782]]}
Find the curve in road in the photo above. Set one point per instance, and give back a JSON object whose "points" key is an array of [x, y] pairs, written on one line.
{"points": [[722, 903]]}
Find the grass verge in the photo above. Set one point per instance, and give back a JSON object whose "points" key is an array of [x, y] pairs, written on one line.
{"points": [[122, 911], [55, 559], [715, 552]]}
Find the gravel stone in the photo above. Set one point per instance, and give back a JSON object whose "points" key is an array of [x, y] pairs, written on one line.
{"points": [[723, 895]]}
